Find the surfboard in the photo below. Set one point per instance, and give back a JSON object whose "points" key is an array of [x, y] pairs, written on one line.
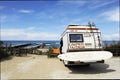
{"points": [[87, 56]]}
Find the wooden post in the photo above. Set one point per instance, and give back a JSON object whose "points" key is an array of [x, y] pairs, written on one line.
{"points": [[10, 49]]}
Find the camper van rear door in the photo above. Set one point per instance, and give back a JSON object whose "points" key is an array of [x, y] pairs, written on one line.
{"points": [[76, 41]]}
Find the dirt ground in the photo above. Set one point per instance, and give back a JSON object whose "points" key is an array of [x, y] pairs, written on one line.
{"points": [[41, 67]]}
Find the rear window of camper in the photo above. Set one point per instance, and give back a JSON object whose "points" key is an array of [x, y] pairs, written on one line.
{"points": [[76, 37]]}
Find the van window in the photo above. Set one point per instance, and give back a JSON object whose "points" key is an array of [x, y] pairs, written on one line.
{"points": [[76, 37]]}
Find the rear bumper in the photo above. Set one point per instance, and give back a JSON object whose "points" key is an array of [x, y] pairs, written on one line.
{"points": [[86, 57]]}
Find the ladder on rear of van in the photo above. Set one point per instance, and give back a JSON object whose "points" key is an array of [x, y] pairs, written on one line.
{"points": [[96, 36]]}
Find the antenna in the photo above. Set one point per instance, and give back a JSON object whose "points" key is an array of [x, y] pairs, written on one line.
{"points": [[93, 24], [89, 24]]}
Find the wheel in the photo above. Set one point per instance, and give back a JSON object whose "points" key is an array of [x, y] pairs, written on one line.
{"points": [[65, 63], [60, 59], [86, 64], [102, 61]]}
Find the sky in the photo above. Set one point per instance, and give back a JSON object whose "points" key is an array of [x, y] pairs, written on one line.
{"points": [[46, 20]]}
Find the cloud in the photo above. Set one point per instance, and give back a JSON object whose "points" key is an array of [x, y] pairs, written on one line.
{"points": [[42, 36], [3, 18], [112, 15], [1, 7], [31, 28], [29, 34], [114, 36], [25, 11], [72, 2], [12, 32], [9, 18], [26, 34], [100, 3]]}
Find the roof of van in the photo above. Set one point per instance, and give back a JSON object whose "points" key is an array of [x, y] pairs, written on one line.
{"points": [[80, 28]]}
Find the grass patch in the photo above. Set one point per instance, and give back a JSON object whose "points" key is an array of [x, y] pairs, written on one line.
{"points": [[3, 52]]}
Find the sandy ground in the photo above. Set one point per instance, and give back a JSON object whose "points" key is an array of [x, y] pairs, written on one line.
{"points": [[41, 67]]}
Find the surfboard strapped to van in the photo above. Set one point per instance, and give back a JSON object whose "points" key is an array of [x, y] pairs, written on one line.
{"points": [[82, 44]]}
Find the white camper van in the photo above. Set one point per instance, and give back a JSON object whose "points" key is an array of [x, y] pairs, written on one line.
{"points": [[82, 44]]}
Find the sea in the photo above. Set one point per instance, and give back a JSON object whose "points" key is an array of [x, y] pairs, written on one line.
{"points": [[49, 44]]}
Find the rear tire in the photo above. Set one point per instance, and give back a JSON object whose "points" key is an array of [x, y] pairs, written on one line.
{"points": [[60, 59], [102, 61], [65, 63], [86, 64]]}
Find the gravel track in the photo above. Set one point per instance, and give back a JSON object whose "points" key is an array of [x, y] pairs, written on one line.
{"points": [[41, 67]]}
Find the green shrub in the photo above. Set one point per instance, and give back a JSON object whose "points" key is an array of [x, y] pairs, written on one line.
{"points": [[114, 48], [3, 53], [50, 52]]}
